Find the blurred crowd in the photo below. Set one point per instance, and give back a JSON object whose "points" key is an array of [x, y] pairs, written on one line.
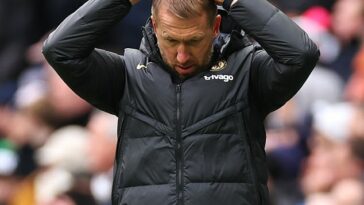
{"points": [[55, 149]]}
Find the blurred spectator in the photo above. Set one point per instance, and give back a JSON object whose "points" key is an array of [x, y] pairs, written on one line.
{"points": [[347, 25], [8, 158], [66, 148], [102, 128], [336, 163], [39, 82], [28, 129], [320, 199], [345, 192], [347, 20], [42, 103], [74, 197], [316, 21], [356, 127], [289, 127], [5, 114], [67, 106], [348, 192], [355, 87], [8, 163], [23, 193], [70, 154], [331, 128], [285, 150], [63, 164], [101, 148], [323, 84]]}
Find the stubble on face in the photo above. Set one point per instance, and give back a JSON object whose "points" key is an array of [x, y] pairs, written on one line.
{"points": [[199, 68]]}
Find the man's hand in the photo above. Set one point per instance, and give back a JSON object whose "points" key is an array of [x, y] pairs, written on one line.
{"points": [[219, 2], [133, 2]]}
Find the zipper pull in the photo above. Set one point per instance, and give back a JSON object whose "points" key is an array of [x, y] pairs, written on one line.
{"points": [[178, 88]]}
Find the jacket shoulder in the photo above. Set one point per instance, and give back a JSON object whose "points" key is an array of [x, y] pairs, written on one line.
{"points": [[134, 58], [131, 53]]}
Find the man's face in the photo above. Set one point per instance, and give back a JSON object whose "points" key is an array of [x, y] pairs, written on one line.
{"points": [[185, 44]]}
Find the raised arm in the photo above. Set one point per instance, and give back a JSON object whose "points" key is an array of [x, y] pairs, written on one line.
{"points": [[95, 75], [288, 57]]}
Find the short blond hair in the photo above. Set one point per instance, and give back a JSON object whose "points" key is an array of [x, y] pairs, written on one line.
{"points": [[187, 8]]}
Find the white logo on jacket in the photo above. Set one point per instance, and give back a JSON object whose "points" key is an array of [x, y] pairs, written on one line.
{"points": [[141, 66], [225, 78]]}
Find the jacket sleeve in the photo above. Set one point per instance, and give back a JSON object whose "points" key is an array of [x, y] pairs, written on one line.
{"points": [[288, 57], [95, 75]]}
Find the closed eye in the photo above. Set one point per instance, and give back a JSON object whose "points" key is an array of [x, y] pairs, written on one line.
{"points": [[193, 41], [171, 40]]}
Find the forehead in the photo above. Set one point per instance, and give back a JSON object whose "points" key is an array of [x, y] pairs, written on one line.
{"points": [[172, 25]]}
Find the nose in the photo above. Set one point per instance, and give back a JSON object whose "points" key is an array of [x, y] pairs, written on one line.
{"points": [[182, 55]]}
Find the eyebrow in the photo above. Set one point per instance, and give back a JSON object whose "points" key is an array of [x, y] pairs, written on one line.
{"points": [[197, 37]]}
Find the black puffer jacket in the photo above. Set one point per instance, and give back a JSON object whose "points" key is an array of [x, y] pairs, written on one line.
{"points": [[197, 141]]}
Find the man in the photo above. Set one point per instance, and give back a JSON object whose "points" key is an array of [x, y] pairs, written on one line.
{"points": [[191, 102]]}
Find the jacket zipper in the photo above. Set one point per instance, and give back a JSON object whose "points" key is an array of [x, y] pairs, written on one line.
{"points": [[179, 148]]}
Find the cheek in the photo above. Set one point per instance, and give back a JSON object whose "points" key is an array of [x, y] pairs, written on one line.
{"points": [[167, 53], [202, 52]]}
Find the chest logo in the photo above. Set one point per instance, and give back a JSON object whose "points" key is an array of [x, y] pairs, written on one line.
{"points": [[220, 65], [141, 66], [225, 78]]}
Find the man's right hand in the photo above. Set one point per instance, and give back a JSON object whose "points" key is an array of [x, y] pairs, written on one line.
{"points": [[219, 2], [133, 2]]}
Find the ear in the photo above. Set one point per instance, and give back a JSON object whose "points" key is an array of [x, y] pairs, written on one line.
{"points": [[154, 24], [217, 24]]}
